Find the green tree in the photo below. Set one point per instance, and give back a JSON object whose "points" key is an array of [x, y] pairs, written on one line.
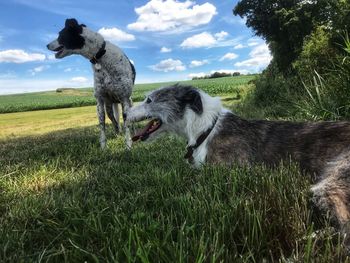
{"points": [[285, 23]]}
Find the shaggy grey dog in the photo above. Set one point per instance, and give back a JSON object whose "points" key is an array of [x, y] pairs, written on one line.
{"points": [[216, 135], [114, 74]]}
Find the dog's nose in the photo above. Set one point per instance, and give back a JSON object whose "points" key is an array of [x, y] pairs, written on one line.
{"points": [[48, 46]]}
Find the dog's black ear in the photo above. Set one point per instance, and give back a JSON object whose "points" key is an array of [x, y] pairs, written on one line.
{"points": [[193, 100], [71, 23]]}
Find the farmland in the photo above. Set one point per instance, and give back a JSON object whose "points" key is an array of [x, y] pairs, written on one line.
{"points": [[63, 199], [84, 97]]}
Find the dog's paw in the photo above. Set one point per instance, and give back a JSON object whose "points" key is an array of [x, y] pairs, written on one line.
{"points": [[128, 140], [103, 145], [128, 144]]}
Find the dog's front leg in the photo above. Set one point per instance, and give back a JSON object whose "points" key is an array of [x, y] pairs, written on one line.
{"points": [[126, 105], [101, 120]]}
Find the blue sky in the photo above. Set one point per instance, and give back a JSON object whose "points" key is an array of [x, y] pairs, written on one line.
{"points": [[166, 39]]}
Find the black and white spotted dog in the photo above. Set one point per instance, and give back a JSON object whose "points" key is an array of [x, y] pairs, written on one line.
{"points": [[215, 135], [114, 74]]}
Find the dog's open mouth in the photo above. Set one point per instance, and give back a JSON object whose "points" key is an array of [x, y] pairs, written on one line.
{"points": [[58, 51], [150, 128]]}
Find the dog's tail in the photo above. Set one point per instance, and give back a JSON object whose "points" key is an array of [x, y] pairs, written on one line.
{"points": [[133, 71]]}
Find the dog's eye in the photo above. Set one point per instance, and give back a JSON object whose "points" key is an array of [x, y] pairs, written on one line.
{"points": [[148, 101]]}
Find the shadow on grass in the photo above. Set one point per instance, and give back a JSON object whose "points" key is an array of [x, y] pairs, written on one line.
{"points": [[228, 99], [79, 145], [64, 199]]}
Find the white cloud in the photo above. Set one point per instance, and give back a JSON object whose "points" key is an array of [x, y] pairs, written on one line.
{"points": [[204, 39], [253, 44], [198, 63], [79, 80], [165, 50], [229, 56], [208, 40], [221, 35], [67, 70], [116, 35], [197, 75], [260, 58], [260, 51], [239, 46], [253, 62], [234, 20], [19, 56], [48, 37], [169, 65], [38, 69], [172, 15], [254, 41], [51, 57]]}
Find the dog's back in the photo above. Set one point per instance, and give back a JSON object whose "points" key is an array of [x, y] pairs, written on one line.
{"points": [[312, 145]]}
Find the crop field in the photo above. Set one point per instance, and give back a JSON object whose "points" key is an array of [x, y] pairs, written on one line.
{"points": [[46, 100], [63, 199], [84, 97]]}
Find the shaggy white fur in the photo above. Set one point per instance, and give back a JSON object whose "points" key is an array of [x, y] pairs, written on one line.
{"points": [[114, 75]]}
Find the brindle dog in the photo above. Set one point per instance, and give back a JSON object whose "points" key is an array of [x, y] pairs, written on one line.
{"points": [[216, 135]]}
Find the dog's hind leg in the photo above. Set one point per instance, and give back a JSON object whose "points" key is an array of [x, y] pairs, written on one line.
{"points": [[332, 195], [101, 120], [116, 113], [111, 116], [126, 105]]}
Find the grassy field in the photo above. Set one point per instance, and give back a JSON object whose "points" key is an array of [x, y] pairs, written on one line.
{"points": [[84, 97], [31, 123], [46, 100], [62, 199]]}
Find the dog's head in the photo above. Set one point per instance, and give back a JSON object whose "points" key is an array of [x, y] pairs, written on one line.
{"points": [[167, 108], [69, 40]]}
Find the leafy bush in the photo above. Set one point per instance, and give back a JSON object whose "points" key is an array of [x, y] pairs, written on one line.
{"points": [[319, 91], [316, 54], [303, 37], [273, 95], [329, 97]]}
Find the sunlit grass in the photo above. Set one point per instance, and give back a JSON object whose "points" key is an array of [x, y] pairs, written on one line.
{"points": [[63, 199], [44, 121]]}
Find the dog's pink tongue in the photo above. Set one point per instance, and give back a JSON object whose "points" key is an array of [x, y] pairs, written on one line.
{"points": [[143, 132]]}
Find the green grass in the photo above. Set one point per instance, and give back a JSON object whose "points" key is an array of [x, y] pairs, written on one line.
{"points": [[46, 100], [62, 199], [84, 97], [19, 124]]}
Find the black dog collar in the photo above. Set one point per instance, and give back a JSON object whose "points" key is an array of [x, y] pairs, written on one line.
{"points": [[99, 53], [199, 141]]}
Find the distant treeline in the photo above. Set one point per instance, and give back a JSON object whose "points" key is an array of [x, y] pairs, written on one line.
{"points": [[218, 75]]}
